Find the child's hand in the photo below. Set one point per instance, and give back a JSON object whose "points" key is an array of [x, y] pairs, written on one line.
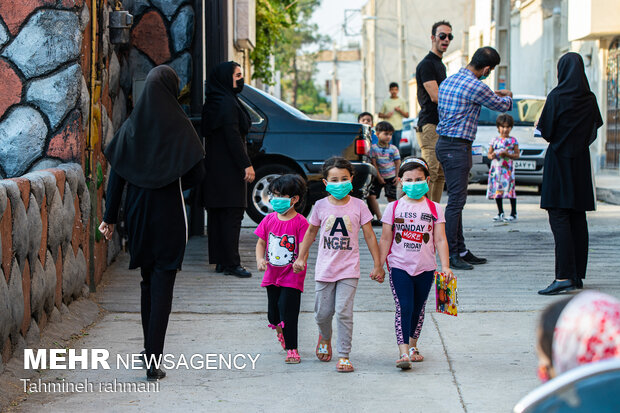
{"points": [[378, 274], [261, 264], [450, 275], [299, 265]]}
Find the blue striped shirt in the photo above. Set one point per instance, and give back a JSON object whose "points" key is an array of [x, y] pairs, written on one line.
{"points": [[460, 98]]}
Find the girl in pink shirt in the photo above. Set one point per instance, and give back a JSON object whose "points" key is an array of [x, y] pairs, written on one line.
{"points": [[413, 228], [339, 217], [279, 235]]}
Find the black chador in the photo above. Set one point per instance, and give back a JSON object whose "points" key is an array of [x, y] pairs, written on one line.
{"points": [[225, 124], [569, 122], [155, 154]]}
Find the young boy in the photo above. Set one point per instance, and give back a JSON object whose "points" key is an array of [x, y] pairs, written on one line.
{"points": [[365, 118], [386, 158]]}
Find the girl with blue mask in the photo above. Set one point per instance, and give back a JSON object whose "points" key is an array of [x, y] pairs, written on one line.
{"points": [[339, 217], [413, 231], [280, 234]]}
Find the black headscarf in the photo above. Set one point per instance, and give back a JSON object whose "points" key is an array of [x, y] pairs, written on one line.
{"points": [[571, 116], [222, 105], [157, 144]]}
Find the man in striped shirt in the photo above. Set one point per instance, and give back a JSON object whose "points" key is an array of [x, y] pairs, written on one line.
{"points": [[460, 98]]}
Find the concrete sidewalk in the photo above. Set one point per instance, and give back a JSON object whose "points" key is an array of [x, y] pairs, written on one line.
{"points": [[481, 361]]}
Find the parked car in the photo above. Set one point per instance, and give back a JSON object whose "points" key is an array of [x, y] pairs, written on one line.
{"points": [[284, 140], [532, 147], [408, 145]]}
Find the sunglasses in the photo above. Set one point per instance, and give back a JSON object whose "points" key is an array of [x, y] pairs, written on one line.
{"points": [[442, 36]]}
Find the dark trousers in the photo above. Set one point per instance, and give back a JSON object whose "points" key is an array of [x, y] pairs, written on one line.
{"points": [[155, 305], [410, 294], [223, 228], [283, 306], [570, 232], [455, 158]]}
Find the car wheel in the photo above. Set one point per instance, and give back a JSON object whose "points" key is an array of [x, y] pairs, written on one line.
{"points": [[258, 191]]}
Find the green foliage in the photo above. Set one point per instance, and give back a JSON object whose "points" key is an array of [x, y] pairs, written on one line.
{"points": [[272, 17]]}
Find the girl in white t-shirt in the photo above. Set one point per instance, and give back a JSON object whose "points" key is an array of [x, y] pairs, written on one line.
{"points": [[413, 228]]}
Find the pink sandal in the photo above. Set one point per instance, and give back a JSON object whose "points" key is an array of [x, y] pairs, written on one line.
{"points": [[292, 357], [279, 334]]}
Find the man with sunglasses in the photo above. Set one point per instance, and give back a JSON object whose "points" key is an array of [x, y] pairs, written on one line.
{"points": [[429, 74], [460, 98]]}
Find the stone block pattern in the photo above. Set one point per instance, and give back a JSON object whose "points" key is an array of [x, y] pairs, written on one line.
{"points": [[162, 33], [44, 233]]}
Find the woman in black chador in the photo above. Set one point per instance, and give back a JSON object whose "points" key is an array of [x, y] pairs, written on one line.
{"points": [[155, 154], [569, 122], [225, 124]]}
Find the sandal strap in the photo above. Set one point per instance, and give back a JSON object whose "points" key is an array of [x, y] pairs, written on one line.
{"points": [[344, 361]]}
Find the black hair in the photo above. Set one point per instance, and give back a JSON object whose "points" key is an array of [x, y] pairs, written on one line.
{"points": [[440, 23], [337, 162], [384, 126], [289, 184], [410, 164], [483, 57], [504, 119], [394, 84], [548, 319], [361, 115]]}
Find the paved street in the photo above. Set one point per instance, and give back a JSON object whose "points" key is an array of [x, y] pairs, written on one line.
{"points": [[481, 361]]}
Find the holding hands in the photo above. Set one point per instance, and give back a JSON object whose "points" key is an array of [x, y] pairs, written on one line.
{"points": [[299, 265], [378, 274]]}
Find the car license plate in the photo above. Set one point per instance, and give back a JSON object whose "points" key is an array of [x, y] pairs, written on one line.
{"points": [[528, 165]]}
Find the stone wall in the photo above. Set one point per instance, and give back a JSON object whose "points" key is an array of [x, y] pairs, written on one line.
{"points": [[44, 247]]}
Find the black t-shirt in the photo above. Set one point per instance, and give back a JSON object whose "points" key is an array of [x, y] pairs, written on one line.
{"points": [[430, 68]]}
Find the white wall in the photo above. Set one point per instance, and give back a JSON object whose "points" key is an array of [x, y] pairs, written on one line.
{"points": [[350, 76]]}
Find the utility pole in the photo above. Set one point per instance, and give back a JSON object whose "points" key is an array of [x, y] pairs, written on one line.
{"points": [[401, 50], [334, 84]]}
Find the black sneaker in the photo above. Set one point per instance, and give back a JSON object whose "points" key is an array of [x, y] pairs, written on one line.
{"points": [[472, 259], [457, 263], [219, 268], [155, 374], [238, 271]]}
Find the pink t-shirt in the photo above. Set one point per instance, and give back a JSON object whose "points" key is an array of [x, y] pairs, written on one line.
{"points": [[339, 255], [413, 248], [283, 239]]}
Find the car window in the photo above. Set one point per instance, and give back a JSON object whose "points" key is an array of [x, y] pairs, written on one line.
{"points": [[524, 111], [254, 116], [293, 111]]}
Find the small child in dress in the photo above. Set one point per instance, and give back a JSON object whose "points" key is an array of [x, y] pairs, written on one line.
{"points": [[339, 217], [502, 151], [279, 236], [413, 229], [386, 159]]}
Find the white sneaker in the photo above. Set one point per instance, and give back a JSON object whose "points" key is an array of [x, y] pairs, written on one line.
{"points": [[499, 217], [511, 218]]}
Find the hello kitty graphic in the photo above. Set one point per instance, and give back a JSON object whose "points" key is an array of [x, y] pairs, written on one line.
{"points": [[281, 250]]}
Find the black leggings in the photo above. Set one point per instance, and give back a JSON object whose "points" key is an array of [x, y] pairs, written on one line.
{"points": [[156, 302], [283, 306], [513, 206]]}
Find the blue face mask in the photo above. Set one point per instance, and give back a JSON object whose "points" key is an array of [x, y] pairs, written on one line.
{"points": [[415, 190], [339, 190], [280, 205]]}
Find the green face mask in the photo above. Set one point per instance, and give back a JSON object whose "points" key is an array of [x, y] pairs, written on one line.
{"points": [[485, 76]]}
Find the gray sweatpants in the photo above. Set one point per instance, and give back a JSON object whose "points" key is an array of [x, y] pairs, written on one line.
{"points": [[336, 297]]}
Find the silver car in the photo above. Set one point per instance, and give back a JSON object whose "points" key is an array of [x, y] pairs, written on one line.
{"points": [[408, 145], [529, 167]]}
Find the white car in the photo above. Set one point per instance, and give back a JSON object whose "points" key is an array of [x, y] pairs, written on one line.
{"points": [[529, 167]]}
